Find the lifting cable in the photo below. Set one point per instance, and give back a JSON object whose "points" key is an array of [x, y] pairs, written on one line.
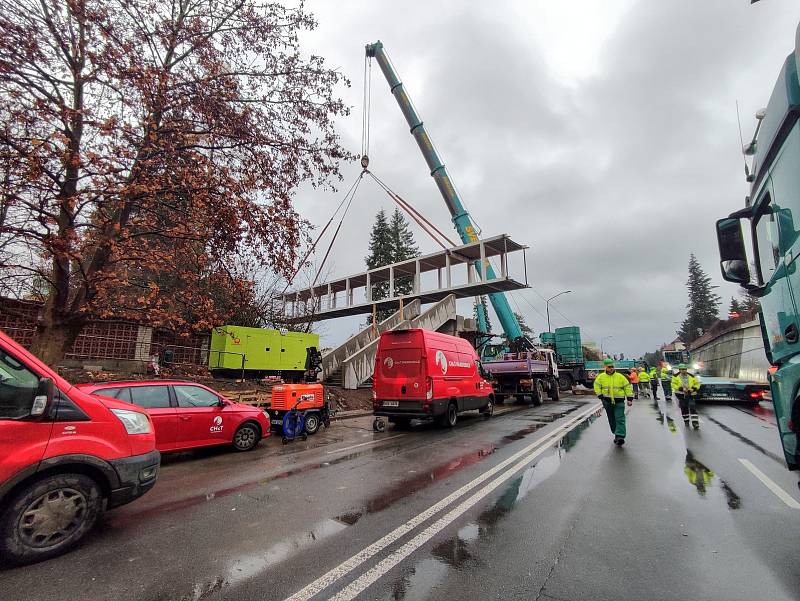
{"points": [[424, 223], [366, 111], [350, 194]]}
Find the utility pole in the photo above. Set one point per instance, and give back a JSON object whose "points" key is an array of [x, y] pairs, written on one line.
{"points": [[547, 306], [604, 338]]}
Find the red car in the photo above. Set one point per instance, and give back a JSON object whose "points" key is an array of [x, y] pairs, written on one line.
{"points": [[189, 415], [424, 374], [65, 456]]}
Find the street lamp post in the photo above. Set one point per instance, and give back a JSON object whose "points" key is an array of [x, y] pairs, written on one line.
{"points": [[547, 305], [604, 338]]}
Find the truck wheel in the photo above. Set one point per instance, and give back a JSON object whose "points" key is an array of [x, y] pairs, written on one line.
{"points": [[538, 392], [565, 383], [48, 517], [450, 417], [520, 398], [312, 423], [555, 392], [246, 437]]}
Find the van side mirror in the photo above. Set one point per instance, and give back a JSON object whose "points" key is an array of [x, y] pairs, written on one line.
{"points": [[732, 253], [45, 394]]}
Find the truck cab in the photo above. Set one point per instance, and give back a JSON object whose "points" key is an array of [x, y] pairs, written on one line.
{"points": [[768, 269], [65, 457]]}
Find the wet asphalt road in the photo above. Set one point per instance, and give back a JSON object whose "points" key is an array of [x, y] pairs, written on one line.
{"points": [[533, 504]]}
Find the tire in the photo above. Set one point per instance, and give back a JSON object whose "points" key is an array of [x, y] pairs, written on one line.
{"points": [[72, 502], [379, 425], [538, 392], [450, 417], [313, 422], [488, 410], [246, 437], [565, 383], [555, 391], [520, 398]]}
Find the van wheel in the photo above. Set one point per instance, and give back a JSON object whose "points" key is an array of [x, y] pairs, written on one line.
{"points": [[538, 392], [48, 517], [555, 392], [246, 437], [312, 423], [488, 411], [450, 417]]}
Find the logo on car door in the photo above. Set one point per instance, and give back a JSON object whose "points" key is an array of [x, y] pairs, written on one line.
{"points": [[217, 427]]}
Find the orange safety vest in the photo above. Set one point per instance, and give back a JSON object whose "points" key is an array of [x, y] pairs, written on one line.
{"points": [[633, 377]]}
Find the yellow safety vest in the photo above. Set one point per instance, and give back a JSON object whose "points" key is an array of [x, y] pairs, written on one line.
{"points": [[614, 386]]}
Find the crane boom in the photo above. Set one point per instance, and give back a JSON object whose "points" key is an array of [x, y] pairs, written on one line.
{"points": [[460, 216]]}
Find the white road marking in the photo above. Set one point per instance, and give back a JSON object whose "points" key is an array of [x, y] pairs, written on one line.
{"points": [[359, 558], [363, 444], [770, 484]]}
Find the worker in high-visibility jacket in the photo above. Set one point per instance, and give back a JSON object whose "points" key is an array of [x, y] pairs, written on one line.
{"points": [[654, 382], [686, 387], [666, 382], [614, 389], [644, 382], [633, 378]]}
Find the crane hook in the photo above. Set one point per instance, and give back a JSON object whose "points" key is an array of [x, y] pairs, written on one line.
{"points": [[365, 162]]}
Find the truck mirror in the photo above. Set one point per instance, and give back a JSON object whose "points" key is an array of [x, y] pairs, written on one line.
{"points": [[45, 394], [732, 253]]}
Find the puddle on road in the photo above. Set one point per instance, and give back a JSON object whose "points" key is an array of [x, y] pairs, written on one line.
{"points": [[459, 553], [703, 480]]}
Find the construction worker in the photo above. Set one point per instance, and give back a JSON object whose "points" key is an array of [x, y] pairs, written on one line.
{"points": [[666, 382], [686, 388], [644, 382], [613, 389], [654, 382], [633, 378]]}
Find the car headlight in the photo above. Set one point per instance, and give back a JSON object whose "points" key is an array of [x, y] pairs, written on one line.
{"points": [[134, 422]]}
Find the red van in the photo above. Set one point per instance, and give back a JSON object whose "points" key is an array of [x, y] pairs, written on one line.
{"points": [[65, 456], [188, 415], [424, 374]]}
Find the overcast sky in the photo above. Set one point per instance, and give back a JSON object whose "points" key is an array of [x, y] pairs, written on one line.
{"points": [[601, 133]]}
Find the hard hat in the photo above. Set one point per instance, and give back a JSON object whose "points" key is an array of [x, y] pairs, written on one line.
{"points": [[681, 366], [608, 362]]}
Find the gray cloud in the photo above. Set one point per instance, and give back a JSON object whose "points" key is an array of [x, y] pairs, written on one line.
{"points": [[612, 179]]}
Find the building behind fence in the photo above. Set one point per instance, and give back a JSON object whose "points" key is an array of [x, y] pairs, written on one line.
{"points": [[113, 344]]}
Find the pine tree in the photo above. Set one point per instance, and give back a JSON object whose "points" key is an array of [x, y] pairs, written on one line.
{"points": [[749, 302], [390, 241], [703, 305], [735, 307], [403, 248]]}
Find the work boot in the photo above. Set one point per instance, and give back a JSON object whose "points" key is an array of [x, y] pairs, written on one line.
{"points": [[695, 422]]}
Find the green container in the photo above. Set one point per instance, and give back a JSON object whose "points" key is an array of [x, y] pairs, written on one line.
{"points": [[547, 338], [569, 330], [262, 349]]}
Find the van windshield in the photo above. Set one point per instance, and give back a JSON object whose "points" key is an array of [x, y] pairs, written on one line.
{"points": [[18, 387]]}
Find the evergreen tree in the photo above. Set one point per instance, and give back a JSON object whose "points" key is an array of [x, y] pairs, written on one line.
{"points": [[390, 241], [749, 302], [703, 305], [735, 307]]}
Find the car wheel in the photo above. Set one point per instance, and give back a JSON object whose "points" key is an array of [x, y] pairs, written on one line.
{"points": [[246, 437], [312, 423], [450, 417], [49, 517]]}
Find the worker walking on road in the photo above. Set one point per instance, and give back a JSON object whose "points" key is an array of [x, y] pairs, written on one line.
{"points": [[666, 383], [654, 382], [613, 389], [644, 382], [686, 388], [633, 378]]}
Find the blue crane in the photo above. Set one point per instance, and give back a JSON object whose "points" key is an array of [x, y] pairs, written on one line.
{"points": [[460, 216]]}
